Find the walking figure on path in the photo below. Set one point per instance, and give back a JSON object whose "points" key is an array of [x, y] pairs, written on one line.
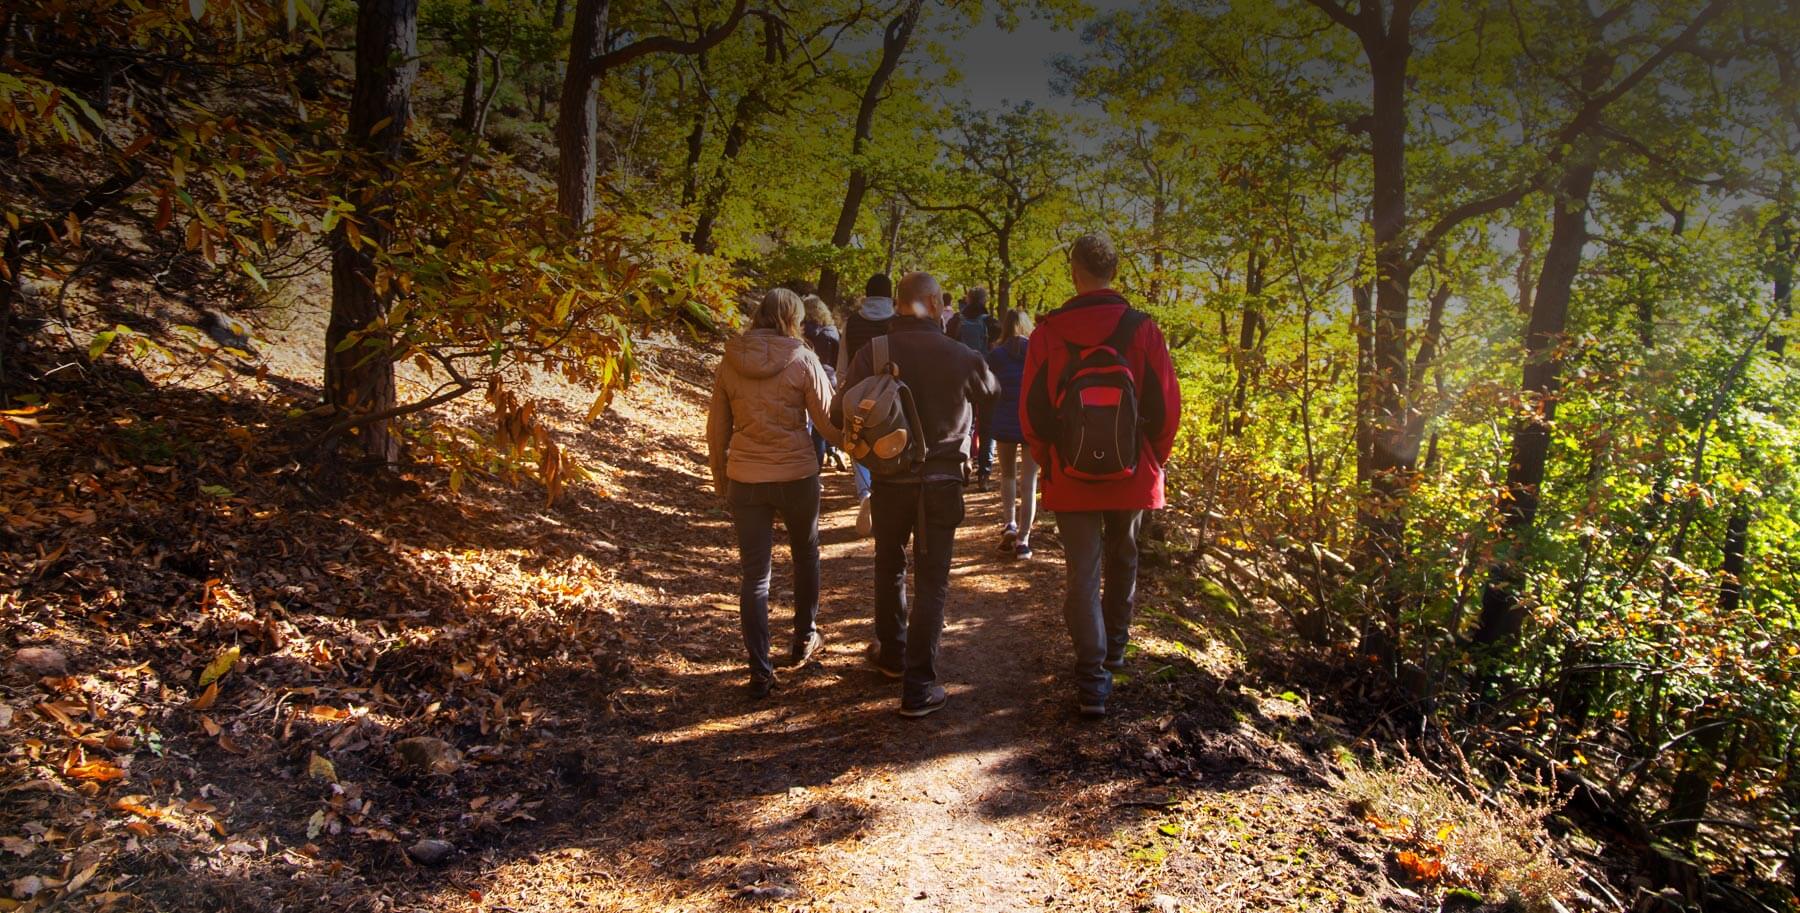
{"points": [[1100, 412]]}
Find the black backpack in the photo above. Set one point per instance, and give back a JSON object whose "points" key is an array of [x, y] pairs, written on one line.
{"points": [[1097, 407]]}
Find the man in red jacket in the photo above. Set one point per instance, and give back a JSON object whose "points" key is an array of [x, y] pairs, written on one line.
{"points": [[1088, 347]]}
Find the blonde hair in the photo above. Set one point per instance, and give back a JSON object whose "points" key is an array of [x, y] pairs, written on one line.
{"points": [[782, 311], [1016, 324], [817, 312]]}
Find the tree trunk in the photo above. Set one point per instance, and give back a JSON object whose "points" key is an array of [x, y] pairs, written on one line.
{"points": [[696, 144], [360, 378], [470, 111], [1390, 466], [578, 118], [893, 44], [741, 117], [1737, 528], [1502, 612], [1248, 326]]}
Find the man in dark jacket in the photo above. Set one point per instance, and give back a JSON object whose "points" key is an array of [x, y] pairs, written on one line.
{"points": [[1098, 520], [926, 506]]}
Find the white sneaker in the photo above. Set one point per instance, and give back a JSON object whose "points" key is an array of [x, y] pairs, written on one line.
{"points": [[865, 523]]}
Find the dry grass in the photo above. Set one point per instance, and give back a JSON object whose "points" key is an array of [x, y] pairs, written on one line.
{"points": [[1443, 839]]}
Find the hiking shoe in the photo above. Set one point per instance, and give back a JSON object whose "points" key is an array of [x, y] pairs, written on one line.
{"points": [[873, 656], [803, 652], [932, 703], [1093, 711], [760, 687], [865, 521], [1009, 539], [1022, 552], [983, 484], [1114, 665]]}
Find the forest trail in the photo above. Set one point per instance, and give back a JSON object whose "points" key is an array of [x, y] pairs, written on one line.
{"points": [[822, 794]]}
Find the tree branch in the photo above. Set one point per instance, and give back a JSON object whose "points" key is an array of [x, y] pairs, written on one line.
{"points": [[667, 44]]}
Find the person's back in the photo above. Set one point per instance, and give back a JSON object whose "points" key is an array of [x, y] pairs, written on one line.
{"points": [[1098, 517], [922, 505], [759, 446], [1018, 470], [868, 320]]}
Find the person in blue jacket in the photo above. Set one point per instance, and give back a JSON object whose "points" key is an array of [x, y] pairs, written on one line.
{"points": [[1018, 471]]}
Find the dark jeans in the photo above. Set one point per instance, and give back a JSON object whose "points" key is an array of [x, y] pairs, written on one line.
{"points": [[1099, 545], [909, 639], [753, 509]]}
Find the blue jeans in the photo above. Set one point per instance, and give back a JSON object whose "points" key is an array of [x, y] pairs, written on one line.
{"points": [[1099, 546], [753, 509], [909, 639], [863, 481]]}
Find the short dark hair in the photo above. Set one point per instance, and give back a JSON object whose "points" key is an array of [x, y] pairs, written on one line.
{"points": [[879, 286], [978, 298], [1096, 256], [801, 287]]}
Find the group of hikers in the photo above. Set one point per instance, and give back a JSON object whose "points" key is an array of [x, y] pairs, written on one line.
{"points": [[915, 391]]}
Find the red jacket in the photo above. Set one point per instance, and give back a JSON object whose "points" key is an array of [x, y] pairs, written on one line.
{"points": [[1085, 321]]}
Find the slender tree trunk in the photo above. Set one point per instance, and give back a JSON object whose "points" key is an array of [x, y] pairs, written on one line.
{"points": [[741, 117], [1502, 612], [1390, 466], [1003, 291], [696, 145], [360, 377], [472, 92], [1737, 529], [578, 118], [749, 106], [1249, 324], [893, 44]]}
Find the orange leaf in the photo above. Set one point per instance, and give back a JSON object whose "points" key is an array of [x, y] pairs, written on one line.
{"points": [[1419, 868], [95, 770], [207, 698]]}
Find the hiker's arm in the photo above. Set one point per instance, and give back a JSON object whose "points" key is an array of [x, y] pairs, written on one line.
{"points": [[1036, 416], [818, 403], [718, 431], [984, 387], [1162, 392]]}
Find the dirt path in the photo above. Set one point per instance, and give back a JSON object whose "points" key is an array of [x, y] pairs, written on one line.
{"points": [[821, 797]]}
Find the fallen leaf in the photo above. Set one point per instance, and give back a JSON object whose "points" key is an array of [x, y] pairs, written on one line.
{"points": [[220, 665], [1419, 868], [206, 699], [321, 768], [95, 770]]}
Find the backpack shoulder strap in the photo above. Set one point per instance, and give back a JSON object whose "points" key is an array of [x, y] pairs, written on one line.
{"points": [[1126, 330], [881, 362]]}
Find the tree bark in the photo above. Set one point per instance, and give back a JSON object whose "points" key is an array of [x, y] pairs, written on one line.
{"points": [[578, 113], [743, 116], [469, 113], [893, 44], [1390, 465], [359, 378], [1250, 322], [578, 118], [1502, 612]]}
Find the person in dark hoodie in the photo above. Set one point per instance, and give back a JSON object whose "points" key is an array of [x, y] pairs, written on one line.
{"points": [[763, 463], [821, 334], [926, 506], [869, 320], [1098, 516], [976, 328]]}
